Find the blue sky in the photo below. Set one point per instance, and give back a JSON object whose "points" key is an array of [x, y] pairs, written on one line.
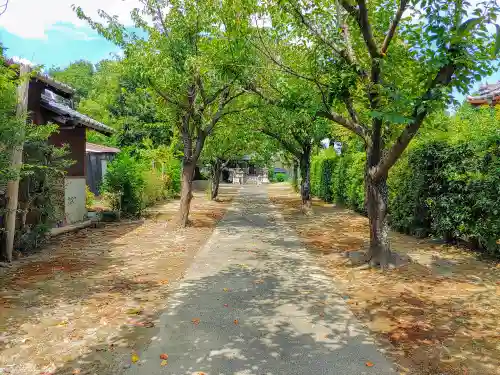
{"points": [[62, 46], [50, 33]]}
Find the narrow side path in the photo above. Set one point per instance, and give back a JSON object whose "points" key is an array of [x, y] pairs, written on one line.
{"points": [[254, 302]]}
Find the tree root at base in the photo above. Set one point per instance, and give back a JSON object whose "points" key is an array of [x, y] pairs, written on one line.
{"points": [[365, 259]]}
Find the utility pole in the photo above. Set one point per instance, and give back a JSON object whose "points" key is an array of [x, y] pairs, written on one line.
{"points": [[17, 160]]}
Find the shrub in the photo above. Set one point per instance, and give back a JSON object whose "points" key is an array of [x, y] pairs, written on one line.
{"points": [[322, 169], [450, 190], [172, 177], [355, 182], [280, 177], [339, 179], [125, 181], [277, 177], [89, 198], [131, 185], [154, 188]]}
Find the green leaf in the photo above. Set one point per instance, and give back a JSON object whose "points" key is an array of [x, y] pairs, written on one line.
{"points": [[469, 25], [497, 40]]}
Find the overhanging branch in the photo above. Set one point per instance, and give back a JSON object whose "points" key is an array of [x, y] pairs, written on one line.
{"points": [[346, 123], [360, 14], [394, 24], [165, 96], [350, 108], [286, 69], [420, 111], [311, 28], [287, 145], [3, 6]]}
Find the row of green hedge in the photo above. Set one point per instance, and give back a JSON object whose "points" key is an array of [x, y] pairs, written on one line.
{"points": [[339, 178], [449, 190], [440, 188]]}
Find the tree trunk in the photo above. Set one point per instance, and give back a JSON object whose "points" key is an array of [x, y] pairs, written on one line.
{"points": [[189, 160], [188, 168], [12, 192], [305, 182], [295, 175], [216, 173], [379, 253]]}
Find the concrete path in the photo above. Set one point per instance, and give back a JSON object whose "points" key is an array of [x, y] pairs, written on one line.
{"points": [[255, 302]]}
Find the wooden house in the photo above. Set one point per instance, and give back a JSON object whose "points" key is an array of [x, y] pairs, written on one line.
{"points": [[50, 101], [97, 159]]}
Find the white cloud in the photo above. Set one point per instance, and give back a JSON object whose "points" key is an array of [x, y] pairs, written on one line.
{"points": [[33, 18], [74, 33], [22, 60]]}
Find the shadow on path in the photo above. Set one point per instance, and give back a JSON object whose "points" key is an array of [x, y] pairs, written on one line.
{"points": [[254, 302]]}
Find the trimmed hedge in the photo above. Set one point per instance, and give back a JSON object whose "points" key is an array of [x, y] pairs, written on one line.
{"points": [[450, 190], [322, 171], [355, 181], [339, 178], [441, 188]]}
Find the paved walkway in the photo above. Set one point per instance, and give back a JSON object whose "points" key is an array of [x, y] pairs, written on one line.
{"points": [[254, 302]]}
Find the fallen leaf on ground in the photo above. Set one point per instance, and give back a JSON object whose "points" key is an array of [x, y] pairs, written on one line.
{"points": [[369, 364], [164, 363], [147, 324], [134, 311], [135, 358], [164, 356]]}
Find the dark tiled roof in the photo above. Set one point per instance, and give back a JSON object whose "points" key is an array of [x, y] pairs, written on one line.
{"points": [[45, 78], [92, 147], [78, 117], [56, 84]]}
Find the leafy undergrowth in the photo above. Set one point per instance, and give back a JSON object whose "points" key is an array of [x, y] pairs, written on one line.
{"points": [[90, 299], [438, 315]]}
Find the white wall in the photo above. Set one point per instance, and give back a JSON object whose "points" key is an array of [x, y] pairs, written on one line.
{"points": [[74, 199]]}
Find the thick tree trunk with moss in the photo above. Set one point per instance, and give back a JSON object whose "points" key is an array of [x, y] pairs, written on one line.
{"points": [[305, 174], [216, 171]]}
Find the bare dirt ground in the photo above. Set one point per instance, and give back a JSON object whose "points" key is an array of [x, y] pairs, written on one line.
{"points": [[88, 300], [439, 315]]}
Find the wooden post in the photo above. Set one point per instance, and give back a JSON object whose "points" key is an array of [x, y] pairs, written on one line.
{"points": [[16, 161]]}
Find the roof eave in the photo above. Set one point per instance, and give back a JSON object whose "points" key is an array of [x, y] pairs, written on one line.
{"points": [[103, 129], [91, 124], [59, 86]]}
